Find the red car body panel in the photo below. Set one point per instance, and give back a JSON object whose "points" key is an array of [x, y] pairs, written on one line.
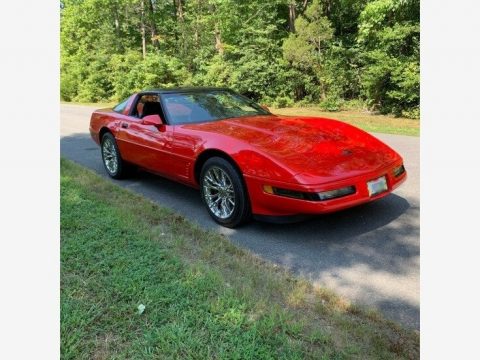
{"points": [[305, 154]]}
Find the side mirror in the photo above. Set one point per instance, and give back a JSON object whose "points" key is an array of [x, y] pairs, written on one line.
{"points": [[264, 107], [154, 120]]}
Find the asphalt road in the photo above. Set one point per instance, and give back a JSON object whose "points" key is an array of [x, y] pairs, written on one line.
{"points": [[369, 254]]}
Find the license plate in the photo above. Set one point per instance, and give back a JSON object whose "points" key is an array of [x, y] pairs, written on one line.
{"points": [[377, 186]]}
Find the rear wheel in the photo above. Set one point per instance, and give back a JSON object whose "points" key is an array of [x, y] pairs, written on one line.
{"points": [[224, 193], [113, 162]]}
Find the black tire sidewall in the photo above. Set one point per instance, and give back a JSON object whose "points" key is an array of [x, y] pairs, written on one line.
{"points": [[241, 212]]}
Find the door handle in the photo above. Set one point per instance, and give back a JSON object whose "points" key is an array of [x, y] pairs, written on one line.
{"points": [[124, 125]]}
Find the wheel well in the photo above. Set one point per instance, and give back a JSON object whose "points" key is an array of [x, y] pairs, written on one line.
{"points": [[207, 154], [102, 132]]}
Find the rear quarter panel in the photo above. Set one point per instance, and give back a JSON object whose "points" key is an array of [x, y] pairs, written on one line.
{"points": [[103, 118], [107, 118]]}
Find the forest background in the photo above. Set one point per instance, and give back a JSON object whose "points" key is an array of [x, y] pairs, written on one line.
{"points": [[335, 54]]}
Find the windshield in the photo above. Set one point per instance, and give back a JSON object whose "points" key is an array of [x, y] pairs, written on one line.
{"points": [[195, 107]]}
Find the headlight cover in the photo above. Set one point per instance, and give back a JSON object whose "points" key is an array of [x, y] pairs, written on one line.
{"points": [[319, 196], [399, 170], [333, 194]]}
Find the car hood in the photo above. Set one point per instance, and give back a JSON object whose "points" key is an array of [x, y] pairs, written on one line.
{"points": [[315, 150]]}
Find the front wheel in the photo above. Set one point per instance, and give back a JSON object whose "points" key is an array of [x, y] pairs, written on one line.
{"points": [[223, 193]]}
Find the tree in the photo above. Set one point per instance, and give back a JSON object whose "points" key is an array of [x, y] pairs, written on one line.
{"points": [[389, 35], [277, 51], [304, 48]]}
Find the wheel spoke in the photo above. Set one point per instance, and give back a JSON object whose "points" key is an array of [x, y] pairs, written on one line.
{"points": [[213, 175], [110, 156], [217, 173], [209, 178], [223, 205], [218, 192]]}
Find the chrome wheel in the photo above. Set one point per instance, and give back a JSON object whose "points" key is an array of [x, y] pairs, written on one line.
{"points": [[110, 157], [218, 192]]}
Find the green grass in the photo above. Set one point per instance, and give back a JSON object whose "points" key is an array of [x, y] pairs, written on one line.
{"points": [[362, 119], [98, 105], [204, 297]]}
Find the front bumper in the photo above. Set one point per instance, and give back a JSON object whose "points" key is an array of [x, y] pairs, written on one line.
{"points": [[275, 205]]}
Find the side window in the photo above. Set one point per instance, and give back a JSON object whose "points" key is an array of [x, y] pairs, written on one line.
{"points": [[120, 107], [148, 104]]}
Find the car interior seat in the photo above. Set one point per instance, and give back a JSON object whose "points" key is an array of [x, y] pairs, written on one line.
{"points": [[151, 108]]}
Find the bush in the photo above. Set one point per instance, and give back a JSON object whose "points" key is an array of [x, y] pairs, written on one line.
{"points": [[97, 85], [354, 104], [331, 104], [267, 100], [304, 103], [68, 87], [412, 113], [216, 73], [282, 102]]}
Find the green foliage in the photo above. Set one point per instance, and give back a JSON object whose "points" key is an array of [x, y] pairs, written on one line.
{"points": [[131, 73], [389, 35], [413, 113], [305, 48], [341, 50], [282, 102], [331, 104], [96, 86]]}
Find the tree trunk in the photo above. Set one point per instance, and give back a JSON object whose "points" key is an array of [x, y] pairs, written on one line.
{"points": [[304, 5], [117, 21], [216, 31], [179, 6], [153, 27], [144, 45], [327, 7], [218, 40], [181, 25], [118, 35], [196, 28], [291, 16], [323, 94], [299, 92]]}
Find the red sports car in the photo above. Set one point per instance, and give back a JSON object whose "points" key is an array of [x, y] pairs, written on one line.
{"points": [[245, 160]]}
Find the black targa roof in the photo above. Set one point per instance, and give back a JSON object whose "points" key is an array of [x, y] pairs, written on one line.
{"points": [[184, 89]]}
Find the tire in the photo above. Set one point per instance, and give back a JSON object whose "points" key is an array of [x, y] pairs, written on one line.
{"points": [[115, 166], [224, 193]]}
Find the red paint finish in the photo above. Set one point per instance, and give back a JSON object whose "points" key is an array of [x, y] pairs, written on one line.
{"points": [[305, 154]]}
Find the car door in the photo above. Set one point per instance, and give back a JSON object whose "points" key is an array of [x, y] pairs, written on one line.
{"points": [[145, 145]]}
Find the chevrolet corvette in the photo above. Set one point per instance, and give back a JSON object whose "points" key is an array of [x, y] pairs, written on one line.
{"points": [[246, 161]]}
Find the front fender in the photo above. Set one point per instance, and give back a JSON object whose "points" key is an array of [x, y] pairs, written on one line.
{"points": [[250, 160]]}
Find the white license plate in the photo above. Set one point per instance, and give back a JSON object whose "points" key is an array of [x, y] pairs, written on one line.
{"points": [[377, 186]]}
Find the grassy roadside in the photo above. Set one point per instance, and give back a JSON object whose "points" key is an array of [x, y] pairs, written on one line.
{"points": [[364, 120], [97, 105], [204, 297]]}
